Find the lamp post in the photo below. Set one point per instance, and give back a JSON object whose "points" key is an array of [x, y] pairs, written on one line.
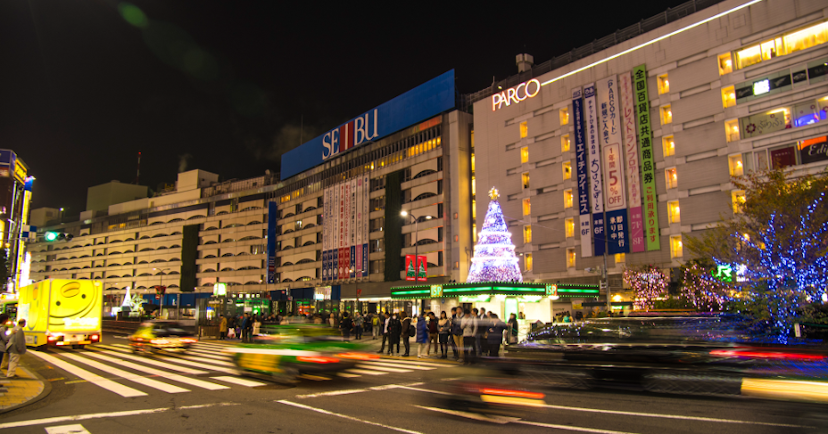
{"points": [[161, 300], [405, 213]]}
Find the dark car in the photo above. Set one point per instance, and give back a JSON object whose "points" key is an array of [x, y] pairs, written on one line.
{"points": [[159, 335]]}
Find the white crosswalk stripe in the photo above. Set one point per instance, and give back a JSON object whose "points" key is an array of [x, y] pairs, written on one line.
{"points": [[364, 372], [198, 359], [416, 368], [175, 377], [382, 368], [120, 389], [149, 361], [239, 381], [169, 388], [209, 355], [198, 365]]}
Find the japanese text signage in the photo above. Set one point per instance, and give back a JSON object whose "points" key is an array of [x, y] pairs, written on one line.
{"points": [[594, 169], [616, 205], [636, 225], [645, 137], [582, 174]]}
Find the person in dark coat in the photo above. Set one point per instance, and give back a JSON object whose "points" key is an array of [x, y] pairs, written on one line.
{"points": [[406, 326], [345, 325], [394, 332], [495, 336]]}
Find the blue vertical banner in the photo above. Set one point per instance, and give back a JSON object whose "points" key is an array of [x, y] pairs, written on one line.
{"points": [[272, 218], [581, 173], [596, 186]]}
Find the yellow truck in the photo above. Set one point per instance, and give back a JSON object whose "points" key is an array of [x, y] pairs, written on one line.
{"points": [[61, 312]]}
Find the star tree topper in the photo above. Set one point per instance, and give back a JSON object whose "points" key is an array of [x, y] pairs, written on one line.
{"points": [[493, 194]]}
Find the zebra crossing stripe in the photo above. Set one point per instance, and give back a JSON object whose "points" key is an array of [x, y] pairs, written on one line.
{"points": [[208, 355], [217, 362], [120, 389], [169, 388], [414, 362], [239, 381], [175, 377], [213, 345], [365, 372], [149, 361], [347, 375], [394, 365], [198, 365], [110, 347], [382, 368], [67, 429]]}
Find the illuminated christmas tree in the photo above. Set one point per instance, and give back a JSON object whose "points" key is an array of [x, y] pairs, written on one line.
{"points": [[648, 283], [494, 254]]}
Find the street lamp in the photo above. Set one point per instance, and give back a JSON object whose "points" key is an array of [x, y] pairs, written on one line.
{"points": [[161, 300], [405, 213]]}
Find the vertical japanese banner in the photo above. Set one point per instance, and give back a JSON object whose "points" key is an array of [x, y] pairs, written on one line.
{"points": [[324, 232], [581, 173], [631, 162], [596, 186], [352, 218], [343, 230], [366, 222], [645, 137], [358, 228], [336, 233], [616, 204], [272, 214]]}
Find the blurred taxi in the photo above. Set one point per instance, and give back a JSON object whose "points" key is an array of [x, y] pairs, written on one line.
{"points": [[161, 335]]}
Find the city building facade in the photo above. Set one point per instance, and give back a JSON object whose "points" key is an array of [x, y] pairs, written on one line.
{"points": [[15, 198]]}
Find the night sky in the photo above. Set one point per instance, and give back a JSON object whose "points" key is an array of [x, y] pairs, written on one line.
{"points": [[224, 85]]}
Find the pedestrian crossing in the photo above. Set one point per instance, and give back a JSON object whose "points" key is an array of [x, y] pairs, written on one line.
{"points": [[115, 368]]}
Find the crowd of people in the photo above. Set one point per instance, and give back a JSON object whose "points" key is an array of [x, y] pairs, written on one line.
{"points": [[12, 344]]}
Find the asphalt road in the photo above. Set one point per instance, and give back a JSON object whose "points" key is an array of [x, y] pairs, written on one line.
{"points": [[387, 395]]}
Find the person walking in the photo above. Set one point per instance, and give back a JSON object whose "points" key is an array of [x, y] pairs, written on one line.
{"points": [[433, 330], [444, 327], [358, 321], [243, 327], [495, 336], [5, 335], [469, 326], [513, 330], [384, 329], [422, 336], [16, 347], [479, 333], [394, 331], [345, 326], [406, 333], [222, 328], [375, 326], [457, 334]]}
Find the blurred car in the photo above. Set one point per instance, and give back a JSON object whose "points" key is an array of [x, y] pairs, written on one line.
{"points": [[285, 353], [161, 335]]}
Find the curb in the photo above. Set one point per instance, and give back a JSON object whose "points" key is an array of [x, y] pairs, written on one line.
{"points": [[47, 389]]}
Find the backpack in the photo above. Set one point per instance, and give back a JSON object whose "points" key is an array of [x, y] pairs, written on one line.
{"points": [[411, 330]]}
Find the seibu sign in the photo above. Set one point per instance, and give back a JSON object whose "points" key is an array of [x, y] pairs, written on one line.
{"points": [[356, 132], [516, 94]]}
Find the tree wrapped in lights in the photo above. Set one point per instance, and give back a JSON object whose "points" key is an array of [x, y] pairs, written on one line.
{"points": [[648, 283], [708, 288], [494, 254], [780, 239]]}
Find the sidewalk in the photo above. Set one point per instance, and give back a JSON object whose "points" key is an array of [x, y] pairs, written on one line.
{"points": [[25, 388]]}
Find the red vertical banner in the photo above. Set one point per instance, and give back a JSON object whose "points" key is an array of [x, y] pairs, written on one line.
{"points": [[410, 268], [422, 269]]}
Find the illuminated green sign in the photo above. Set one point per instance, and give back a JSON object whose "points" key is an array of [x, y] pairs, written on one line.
{"points": [[481, 298], [723, 273]]}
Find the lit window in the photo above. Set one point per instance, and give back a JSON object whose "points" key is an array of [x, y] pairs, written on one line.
{"points": [[663, 84], [569, 224], [568, 198], [567, 170], [806, 38], [472, 162], [620, 258], [527, 234], [527, 207], [734, 162], [728, 97], [671, 178], [725, 64], [738, 199], [674, 212], [748, 56], [676, 247], [666, 115], [732, 130], [474, 205], [524, 129], [565, 143], [524, 154], [564, 114], [570, 258], [474, 232], [527, 259], [669, 145]]}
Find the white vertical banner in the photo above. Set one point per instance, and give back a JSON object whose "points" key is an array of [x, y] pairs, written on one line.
{"points": [[613, 165], [324, 231], [337, 248], [366, 222], [352, 229], [358, 240]]}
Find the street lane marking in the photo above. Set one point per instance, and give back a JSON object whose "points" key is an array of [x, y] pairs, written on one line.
{"points": [[383, 368], [347, 375], [474, 416], [111, 347], [367, 389], [169, 388], [67, 429], [504, 420], [198, 359], [330, 413], [365, 372], [175, 377], [60, 419], [208, 355], [394, 365], [569, 427], [239, 381], [668, 416], [149, 361], [120, 389], [213, 345], [414, 362], [198, 365]]}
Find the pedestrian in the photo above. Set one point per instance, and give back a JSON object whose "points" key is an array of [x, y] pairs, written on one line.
{"points": [[406, 333], [248, 327], [384, 321], [5, 335], [375, 326], [444, 325], [457, 333], [513, 330], [394, 331], [479, 337], [433, 330], [332, 321], [469, 326], [422, 336], [257, 326], [243, 327], [358, 321], [345, 325], [567, 318], [222, 327], [495, 336], [16, 347]]}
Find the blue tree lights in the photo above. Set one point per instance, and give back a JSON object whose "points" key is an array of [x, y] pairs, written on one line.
{"points": [[494, 254]]}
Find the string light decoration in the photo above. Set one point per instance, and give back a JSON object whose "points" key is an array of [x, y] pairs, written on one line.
{"points": [[648, 283], [704, 290], [494, 254]]}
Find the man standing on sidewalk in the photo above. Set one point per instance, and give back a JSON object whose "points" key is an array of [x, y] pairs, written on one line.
{"points": [[457, 334], [16, 347], [384, 318]]}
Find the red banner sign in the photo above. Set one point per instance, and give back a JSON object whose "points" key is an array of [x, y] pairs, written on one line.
{"points": [[417, 271]]}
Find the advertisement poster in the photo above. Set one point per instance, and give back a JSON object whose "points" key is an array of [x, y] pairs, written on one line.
{"points": [[645, 137], [366, 229], [614, 191], [594, 170], [581, 174], [416, 271], [636, 226]]}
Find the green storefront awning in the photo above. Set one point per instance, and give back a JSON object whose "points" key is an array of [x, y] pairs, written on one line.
{"points": [[451, 290]]}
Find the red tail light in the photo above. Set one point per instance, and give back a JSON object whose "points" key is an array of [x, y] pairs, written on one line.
{"points": [[159, 341], [766, 355], [512, 393], [189, 340], [94, 338], [321, 360], [358, 356]]}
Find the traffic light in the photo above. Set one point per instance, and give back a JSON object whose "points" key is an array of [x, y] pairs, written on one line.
{"points": [[52, 236]]}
